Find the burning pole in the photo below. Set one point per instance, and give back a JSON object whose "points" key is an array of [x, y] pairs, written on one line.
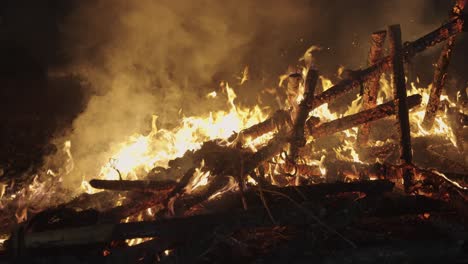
{"points": [[138, 185], [347, 122], [440, 74], [399, 86], [371, 89], [277, 120], [298, 139]]}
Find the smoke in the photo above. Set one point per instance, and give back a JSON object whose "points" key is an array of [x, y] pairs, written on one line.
{"points": [[153, 57]]}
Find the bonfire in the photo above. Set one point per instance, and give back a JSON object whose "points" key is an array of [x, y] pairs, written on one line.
{"points": [[379, 181]]}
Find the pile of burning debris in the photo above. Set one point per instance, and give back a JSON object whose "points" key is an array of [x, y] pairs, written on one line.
{"points": [[256, 197]]}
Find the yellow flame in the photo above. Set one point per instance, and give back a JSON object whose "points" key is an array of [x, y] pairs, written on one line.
{"points": [[441, 125], [245, 75], [231, 186], [212, 95], [199, 178], [2, 189]]}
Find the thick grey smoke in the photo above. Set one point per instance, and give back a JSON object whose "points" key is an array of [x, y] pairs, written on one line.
{"points": [[153, 57]]}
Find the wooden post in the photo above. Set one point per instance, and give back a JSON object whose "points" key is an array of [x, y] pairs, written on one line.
{"points": [[440, 74], [372, 87], [298, 139], [399, 86]]}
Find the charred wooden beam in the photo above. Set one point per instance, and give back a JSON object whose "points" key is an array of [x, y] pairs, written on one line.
{"points": [[379, 112], [369, 98], [298, 139], [399, 86], [136, 185], [279, 119], [437, 36], [440, 74], [451, 28]]}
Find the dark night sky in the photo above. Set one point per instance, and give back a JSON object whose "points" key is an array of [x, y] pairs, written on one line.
{"points": [[35, 106]]}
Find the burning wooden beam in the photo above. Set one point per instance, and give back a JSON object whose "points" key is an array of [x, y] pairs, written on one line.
{"points": [[399, 86], [369, 98], [277, 120], [441, 34], [379, 112], [440, 73], [136, 185], [298, 139]]}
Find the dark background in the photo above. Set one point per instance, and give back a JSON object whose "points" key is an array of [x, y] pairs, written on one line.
{"points": [[35, 105]]}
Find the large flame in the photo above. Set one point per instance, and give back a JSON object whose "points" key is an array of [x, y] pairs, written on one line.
{"points": [[144, 152], [441, 125]]}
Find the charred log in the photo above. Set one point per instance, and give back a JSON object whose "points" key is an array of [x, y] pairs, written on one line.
{"points": [[371, 88], [366, 116], [399, 86], [136, 185], [440, 73], [298, 139], [279, 119]]}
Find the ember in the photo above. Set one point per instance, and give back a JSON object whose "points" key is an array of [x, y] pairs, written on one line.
{"points": [[379, 178]]}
